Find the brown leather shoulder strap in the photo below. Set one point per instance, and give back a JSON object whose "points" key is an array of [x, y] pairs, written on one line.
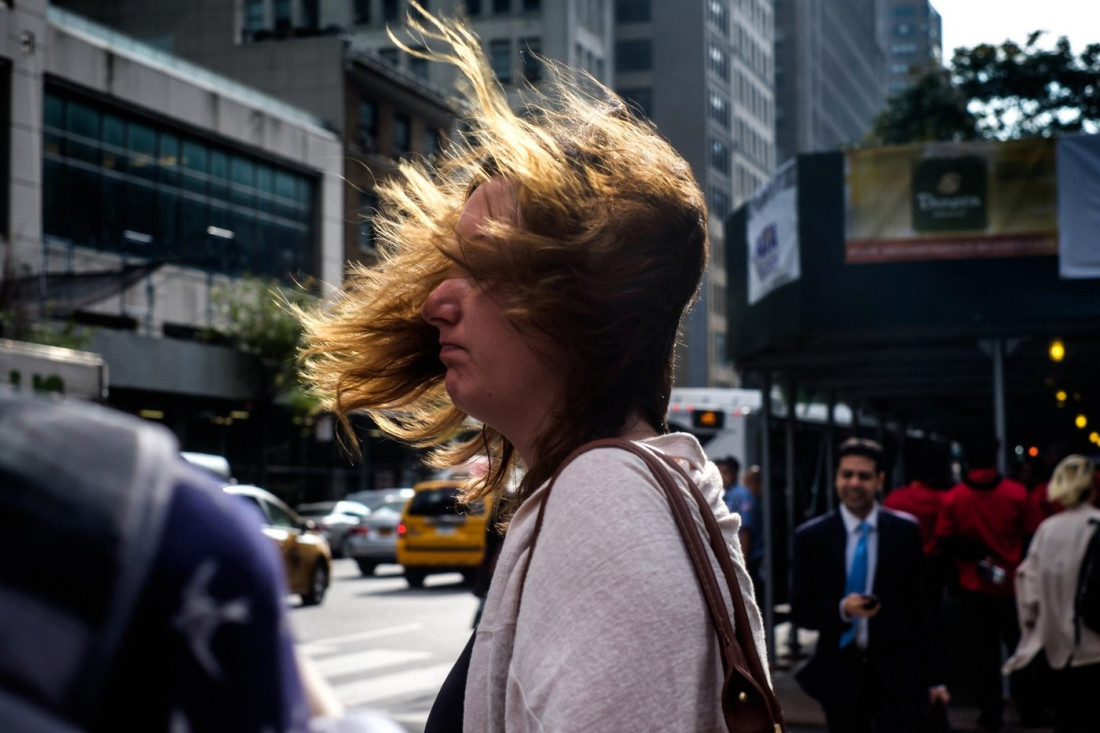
{"points": [[737, 646]]}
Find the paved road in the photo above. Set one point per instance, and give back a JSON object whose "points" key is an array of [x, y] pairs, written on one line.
{"points": [[383, 645]]}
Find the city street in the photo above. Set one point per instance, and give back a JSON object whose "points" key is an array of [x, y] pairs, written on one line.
{"points": [[383, 645]]}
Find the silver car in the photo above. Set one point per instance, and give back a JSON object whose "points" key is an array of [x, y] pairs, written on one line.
{"points": [[374, 540], [334, 519]]}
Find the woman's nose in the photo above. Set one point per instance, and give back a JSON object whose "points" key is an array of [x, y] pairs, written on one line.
{"points": [[441, 306]]}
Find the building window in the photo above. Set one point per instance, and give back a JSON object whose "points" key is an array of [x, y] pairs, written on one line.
{"points": [[502, 7], [402, 137], [632, 11], [903, 29], [500, 60], [418, 66], [368, 201], [283, 17], [640, 99], [718, 200], [311, 14], [899, 68], [431, 143], [904, 11], [634, 55], [720, 109], [389, 10], [118, 182], [903, 49], [253, 15], [719, 155], [362, 12], [718, 61], [718, 15], [368, 124], [389, 55], [530, 61], [532, 6]]}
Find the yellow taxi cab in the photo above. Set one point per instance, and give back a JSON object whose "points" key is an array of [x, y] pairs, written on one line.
{"points": [[306, 554], [437, 534]]}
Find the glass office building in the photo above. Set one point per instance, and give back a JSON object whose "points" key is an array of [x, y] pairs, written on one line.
{"points": [[126, 183]]}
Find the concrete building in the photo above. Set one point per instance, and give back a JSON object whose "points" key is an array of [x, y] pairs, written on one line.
{"points": [[703, 72], [913, 41], [134, 183], [308, 54], [830, 73]]}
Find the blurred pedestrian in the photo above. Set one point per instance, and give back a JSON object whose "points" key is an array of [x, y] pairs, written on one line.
{"points": [[738, 498], [136, 594], [536, 283], [857, 579], [1046, 588], [984, 525]]}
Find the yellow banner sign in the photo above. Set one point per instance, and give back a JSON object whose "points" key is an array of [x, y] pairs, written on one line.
{"points": [[938, 201]]}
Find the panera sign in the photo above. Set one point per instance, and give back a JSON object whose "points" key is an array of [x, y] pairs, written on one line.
{"points": [[935, 201], [950, 194]]}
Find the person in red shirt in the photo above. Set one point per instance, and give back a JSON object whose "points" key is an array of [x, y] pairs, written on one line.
{"points": [[924, 495], [984, 526]]}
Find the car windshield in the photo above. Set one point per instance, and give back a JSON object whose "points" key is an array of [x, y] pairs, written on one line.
{"points": [[391, 506], [434, 502]]}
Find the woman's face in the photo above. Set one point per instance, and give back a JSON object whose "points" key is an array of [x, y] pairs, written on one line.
{"points": [[497, 374]]}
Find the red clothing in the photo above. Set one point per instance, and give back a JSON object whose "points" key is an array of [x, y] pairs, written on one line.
{"points": [[923, 503], [1042, 503], [993, 512]]}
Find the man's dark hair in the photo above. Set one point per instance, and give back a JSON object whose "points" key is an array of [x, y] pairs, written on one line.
{"points": [[733, 463], [865, 448], [981, 451]]}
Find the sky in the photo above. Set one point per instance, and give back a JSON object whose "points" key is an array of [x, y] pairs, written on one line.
{"points": [[971, 22]]}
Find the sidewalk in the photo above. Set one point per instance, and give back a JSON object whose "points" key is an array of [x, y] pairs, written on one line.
{"points": [[803, 715]]}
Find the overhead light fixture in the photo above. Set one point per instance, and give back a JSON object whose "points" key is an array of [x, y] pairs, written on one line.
{"points": [[1081, 421], [151, 414], [1094, 437], [1057, 350], [1060, 395], [1033, 451]]}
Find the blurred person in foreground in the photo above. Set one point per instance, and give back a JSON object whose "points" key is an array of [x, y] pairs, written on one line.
{"points": [[857, 578], [136, 594], [1046, 588], [537, 283]]}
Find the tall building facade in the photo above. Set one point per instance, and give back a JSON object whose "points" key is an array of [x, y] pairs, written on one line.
{"points": [[703, 72], [913, 41], [830, 72]]}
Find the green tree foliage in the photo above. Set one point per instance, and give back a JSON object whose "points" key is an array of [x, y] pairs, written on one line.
{"points": [[252, 315], [1006, 91]]}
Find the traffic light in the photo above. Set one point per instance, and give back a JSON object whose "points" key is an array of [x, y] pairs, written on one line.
{"points": [[708, 419]]}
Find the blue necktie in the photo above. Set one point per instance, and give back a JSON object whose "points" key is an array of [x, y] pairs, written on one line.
{"points": [[857, 578]]}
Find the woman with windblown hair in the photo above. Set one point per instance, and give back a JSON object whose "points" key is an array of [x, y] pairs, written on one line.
{"points": [[536, 282]]}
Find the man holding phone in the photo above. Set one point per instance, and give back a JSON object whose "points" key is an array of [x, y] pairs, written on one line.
{"points": [[857, 579]]}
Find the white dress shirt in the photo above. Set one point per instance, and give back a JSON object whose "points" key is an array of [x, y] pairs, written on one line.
{"points": [[851, 526]]}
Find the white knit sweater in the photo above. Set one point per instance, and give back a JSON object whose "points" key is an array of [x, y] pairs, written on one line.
{"points": [[614, 632]]}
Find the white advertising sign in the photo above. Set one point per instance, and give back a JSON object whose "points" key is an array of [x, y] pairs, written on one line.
{"points": [[771, 231]]}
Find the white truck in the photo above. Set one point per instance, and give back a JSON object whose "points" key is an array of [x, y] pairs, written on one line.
{"points": [[27, 367]]}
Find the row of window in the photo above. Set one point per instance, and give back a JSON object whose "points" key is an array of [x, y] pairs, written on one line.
{"points": [[117, 182], [369, 138], [634, 54]]}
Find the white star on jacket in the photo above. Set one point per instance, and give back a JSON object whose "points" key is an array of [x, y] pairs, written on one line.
{"points": [[201, 615]]}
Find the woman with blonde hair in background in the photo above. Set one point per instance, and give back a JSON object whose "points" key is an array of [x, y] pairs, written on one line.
{"points": [[1046, 591], [536, 282]]}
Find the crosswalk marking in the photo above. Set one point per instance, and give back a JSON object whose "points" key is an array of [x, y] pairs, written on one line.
{"points": [[363, 661], [331, 644], [362, 692]]}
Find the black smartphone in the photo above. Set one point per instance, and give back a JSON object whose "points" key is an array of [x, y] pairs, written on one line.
{"points": [[870, 600]]}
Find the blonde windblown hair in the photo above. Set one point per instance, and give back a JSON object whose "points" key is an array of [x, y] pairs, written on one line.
{"points": [[607, 259], [1072, 481]]}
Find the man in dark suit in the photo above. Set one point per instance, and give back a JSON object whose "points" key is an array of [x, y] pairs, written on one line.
{"points": [[857, 579]]}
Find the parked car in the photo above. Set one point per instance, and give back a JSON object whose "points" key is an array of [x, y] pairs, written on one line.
{"points": [[373, 498], [373, 541], [334, 519], [439, 535], [305, 552]]}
